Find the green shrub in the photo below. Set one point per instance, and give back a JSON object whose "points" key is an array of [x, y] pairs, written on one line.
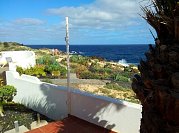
{"points": [[56, 67], [51, 65], [95, 67], [113, 86], [108, 70], [63, 72], [56, 74], [80, 69], [37, 70], [126, 74], [20, 70], [29, 71], [46, 60], [7, 93], [88, 75], [79, 59], [119, 77]]}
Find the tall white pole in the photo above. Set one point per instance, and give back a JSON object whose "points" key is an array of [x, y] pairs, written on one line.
{"points": [[68, 67]]}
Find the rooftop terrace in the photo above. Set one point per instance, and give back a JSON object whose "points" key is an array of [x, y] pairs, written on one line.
{"points": [[71, 124]]}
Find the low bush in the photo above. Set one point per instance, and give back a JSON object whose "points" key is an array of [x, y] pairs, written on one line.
{"points": [[20, 70], [91, 75], [119, 77], [46, 60], [114, 86], [7, 93], [56, 74], [79, 59], [88, 75], [38, 70], [79, 69], [52, 66]]}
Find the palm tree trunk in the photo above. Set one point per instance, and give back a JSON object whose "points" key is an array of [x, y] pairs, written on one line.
{"points": [[158, 89]]}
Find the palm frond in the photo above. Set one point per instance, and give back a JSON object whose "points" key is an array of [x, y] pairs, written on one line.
{"points": [[160, 15]]}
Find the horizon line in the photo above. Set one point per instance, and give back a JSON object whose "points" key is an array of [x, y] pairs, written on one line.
{"points": [[89, 44]]}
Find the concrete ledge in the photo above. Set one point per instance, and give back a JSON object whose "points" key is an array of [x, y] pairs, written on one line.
{"points": [[35, 124], [22, 129]]}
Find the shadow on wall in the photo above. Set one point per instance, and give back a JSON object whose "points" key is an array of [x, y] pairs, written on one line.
{"points": [[49, 101], [94, 109], [83, 105]]}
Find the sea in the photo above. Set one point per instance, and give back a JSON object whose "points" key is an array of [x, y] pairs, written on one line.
{"points": [[124, 54]]}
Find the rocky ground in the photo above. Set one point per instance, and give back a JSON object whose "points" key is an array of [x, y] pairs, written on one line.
{"points": [[98, 87]]}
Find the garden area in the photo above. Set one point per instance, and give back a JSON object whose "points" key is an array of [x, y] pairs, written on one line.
{"points": [[46, 67], [11, 112]]}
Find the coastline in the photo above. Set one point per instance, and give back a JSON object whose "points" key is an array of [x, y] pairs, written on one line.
{"points": [[114, 53], [92, 80]]}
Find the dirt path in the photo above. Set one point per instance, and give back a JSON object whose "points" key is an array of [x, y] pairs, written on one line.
{"points": [[80, 81]]}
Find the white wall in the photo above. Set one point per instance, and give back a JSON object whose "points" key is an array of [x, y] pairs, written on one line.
{"points": [[48, 99], [24, 59], [119, 116]]}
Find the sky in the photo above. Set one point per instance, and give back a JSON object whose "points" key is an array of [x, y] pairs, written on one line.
{"points": [[90, 22]]}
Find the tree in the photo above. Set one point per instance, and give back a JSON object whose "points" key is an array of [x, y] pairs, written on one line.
{"points": [[157, 87], [7, 93]]}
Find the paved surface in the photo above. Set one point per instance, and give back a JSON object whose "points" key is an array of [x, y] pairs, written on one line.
{"points": [[70, 125], [22, 129], [80, 81]]}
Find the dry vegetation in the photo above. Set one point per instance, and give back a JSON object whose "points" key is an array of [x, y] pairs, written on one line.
{"points": [[91, 67]]}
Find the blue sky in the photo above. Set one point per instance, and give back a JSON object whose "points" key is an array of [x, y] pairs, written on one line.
{"points": [[91, 22]]}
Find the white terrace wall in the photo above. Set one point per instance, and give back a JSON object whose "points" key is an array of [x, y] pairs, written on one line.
{"points": [[116, 115], [24, 59], [48, 99]]}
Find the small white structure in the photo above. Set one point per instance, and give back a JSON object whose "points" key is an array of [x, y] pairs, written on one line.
{"points": [[3, 61], [24, 59]]}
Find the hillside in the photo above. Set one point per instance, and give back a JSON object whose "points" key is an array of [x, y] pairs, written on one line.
{"points": [[91, 74]]}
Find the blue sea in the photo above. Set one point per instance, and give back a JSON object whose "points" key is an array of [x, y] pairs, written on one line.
{"points": [[131, 54]]}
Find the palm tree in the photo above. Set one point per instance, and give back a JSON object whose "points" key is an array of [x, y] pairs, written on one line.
{"points": [[157, 87]]}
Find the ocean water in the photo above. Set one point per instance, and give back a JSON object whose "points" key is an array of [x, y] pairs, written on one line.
{"points": [[117, 53]]}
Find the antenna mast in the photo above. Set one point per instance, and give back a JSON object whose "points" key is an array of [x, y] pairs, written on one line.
{"points": [[68, 66]]}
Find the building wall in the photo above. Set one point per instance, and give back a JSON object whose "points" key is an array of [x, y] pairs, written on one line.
{"points": [[51, 100], [24, 59]]}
